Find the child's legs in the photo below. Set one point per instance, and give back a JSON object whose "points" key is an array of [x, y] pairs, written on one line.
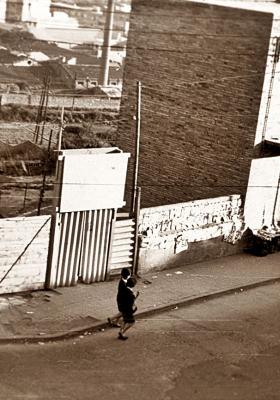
{"points": [[116, 317], [126, 326]]}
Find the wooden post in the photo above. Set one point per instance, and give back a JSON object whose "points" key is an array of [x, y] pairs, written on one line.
{"points": [[59, 139], [60, 130], [111, 240], [136, 239], [274, 222], [42, 191], [53, 251], [137, 148], [25, 195], [45, 109], [39, 113]]}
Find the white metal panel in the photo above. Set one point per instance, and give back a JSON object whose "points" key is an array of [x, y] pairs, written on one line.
{"points": [[260, 203], [93, 181]]}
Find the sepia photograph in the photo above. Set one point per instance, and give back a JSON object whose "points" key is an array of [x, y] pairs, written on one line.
{"points": [[140, 199]]}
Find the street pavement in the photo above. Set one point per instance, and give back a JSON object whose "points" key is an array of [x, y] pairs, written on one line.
{"points": [[64, 312]]}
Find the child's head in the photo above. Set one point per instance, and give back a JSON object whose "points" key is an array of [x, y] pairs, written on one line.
{"points": [[131, 282], [125, 273]]}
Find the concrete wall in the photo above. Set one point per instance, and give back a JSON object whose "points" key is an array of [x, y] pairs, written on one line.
{"points": [[87, 102], [24, 243], [269, 121], [202, 70], [184, 233]]}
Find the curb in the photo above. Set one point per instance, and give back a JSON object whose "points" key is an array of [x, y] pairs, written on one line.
{"points": [[98, 326]]}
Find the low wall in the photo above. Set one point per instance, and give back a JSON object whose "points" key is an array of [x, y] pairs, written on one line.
{"points": [[24, 243], [185, 233], [85, 102]]}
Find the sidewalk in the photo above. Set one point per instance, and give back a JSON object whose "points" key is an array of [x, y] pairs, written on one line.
{"points": [[51, 315]]}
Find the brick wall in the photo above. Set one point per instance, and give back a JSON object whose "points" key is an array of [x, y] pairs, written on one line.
{"points": [[202, 71]]}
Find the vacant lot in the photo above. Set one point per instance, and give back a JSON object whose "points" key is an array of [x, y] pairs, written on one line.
{"points": [[20, 193]]}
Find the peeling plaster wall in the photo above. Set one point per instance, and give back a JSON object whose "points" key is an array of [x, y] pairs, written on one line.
{"points": [[175, 234]]}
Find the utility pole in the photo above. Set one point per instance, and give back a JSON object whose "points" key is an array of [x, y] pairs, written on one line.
{"points": [[104, 71], [137, 148]]}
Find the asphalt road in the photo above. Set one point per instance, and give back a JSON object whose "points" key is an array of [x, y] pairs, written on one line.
{"points": [[223, 349]]}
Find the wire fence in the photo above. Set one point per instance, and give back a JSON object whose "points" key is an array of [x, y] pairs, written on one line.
{"points": [[26, 198]]}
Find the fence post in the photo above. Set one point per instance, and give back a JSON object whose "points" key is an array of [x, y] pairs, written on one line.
{"points": [[25, 195], [136, 238], [45, 170], [113, 221], [136, 148]]}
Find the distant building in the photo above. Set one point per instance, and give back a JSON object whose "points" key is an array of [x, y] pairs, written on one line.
{"points": [[90, 16], [2, 10], [87, 76], [36, 10], [37, 13], [23, 61], [118, 52], [24, 10]]}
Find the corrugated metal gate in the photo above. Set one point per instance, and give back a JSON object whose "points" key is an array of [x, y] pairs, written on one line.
{"points": [[95, 246], [81, 247]]}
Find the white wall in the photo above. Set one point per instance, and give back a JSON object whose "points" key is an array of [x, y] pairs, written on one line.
{"points": [[161, 227], [2, 10], [36, 10], [24, 243], [260, 204], [269, 128], [169, 233]]}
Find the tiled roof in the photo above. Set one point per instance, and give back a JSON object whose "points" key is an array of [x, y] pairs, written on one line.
{"points": [[92, 71]]}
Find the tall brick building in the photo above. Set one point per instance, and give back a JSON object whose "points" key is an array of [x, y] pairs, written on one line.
{"points": [[202, 69]]}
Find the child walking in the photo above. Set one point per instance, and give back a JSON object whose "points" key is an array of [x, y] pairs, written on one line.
{"points": [[125, 275], [128, 308]]}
